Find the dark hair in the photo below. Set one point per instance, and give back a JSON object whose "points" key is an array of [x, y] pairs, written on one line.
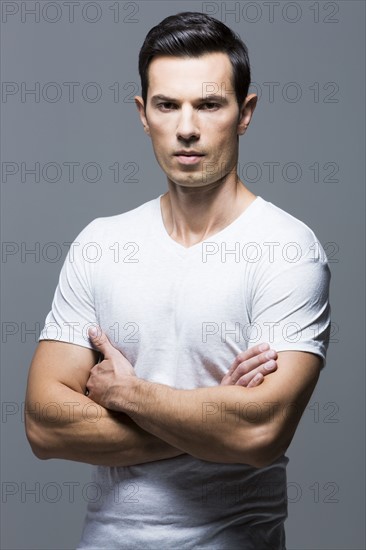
{"points": [[192, 34]]}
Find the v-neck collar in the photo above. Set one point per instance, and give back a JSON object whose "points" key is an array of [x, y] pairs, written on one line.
{"points": [[219, 235]]}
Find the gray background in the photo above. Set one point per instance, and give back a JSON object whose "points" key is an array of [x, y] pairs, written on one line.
{"points": [[308, 44]]}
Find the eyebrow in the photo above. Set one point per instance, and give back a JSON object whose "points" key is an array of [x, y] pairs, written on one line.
{"points": [[215, 97], [208, 97], [161, 97]]}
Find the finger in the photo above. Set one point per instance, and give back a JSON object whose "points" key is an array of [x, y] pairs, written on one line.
{"points": [[100, 340], [252, 364], [248, 379], [256, 380], [248, 354]]}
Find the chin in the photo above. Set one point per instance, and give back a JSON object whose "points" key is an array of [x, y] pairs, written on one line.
{"points": [[188, 179]]}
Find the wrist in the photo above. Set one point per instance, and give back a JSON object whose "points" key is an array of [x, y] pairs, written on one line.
{"points": [[121, 396]]}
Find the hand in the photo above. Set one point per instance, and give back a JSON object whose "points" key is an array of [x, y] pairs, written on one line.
{"points": [[110, 375], [251, 366]]}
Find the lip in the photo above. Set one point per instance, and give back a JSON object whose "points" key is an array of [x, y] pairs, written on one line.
{"points": [[188, 157], [188, 153]]}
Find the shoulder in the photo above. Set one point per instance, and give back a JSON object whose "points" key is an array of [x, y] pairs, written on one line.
{"points": [[124, 225], [286, 233], [284, 223]]}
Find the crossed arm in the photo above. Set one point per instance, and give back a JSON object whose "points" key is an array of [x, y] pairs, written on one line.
{"points": [[249, 418], [226, 423]]}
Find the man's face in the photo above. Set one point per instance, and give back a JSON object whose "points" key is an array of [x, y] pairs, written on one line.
{"points": [[193, 118]]}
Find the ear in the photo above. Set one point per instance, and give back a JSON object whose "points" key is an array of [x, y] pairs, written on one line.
{"points": [[246, 113], [141, 109]]}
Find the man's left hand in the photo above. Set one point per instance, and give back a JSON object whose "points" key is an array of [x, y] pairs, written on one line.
{"points": [[113, 374]]}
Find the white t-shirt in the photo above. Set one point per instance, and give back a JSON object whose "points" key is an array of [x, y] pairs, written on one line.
{"points": [[180, 316]]}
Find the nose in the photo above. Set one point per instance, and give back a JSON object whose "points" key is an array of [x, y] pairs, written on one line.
{"points": [[187, 128]]}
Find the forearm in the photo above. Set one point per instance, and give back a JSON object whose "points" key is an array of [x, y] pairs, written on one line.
{"points": [[226, 423], [213, 424], [76, 428]]}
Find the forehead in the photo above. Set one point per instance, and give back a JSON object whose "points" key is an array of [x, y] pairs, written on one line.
{"points": [[173, 75]]}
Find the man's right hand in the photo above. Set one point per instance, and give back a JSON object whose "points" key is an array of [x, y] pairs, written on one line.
{"points": [[251, 366]]}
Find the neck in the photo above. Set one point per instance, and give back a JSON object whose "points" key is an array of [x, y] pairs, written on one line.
{"points": [[191, 215]]}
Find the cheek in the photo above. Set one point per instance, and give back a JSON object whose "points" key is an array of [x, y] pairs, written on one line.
{"points": [[161, 138], [221, 131], [225, 142]]}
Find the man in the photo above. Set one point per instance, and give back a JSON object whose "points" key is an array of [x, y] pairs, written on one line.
{"points": [[192, 414]]}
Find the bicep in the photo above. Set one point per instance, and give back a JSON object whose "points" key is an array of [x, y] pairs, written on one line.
{"points": [[284, 394], [296, 376], [59, 363]]}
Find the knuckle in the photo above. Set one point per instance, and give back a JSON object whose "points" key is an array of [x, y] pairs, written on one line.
{"points": [[243, 381], [243, 368], [99, 341]]}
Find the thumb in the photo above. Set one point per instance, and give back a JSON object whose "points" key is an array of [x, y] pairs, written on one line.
{"points": [[100, 340]]}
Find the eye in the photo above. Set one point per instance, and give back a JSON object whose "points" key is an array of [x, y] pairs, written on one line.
{"points": [[165, 106], [210, 106]]}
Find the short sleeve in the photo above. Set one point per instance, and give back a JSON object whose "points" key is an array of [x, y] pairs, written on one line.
{"points": [[290, 306], [73, 309]]}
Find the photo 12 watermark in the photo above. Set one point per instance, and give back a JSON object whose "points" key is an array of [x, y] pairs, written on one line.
{"points": [[224, 494], [70, 12], [288, 332], [52, 252], [68, 92], [73, 332], [69, 171], [274, 12], [70, 492]]}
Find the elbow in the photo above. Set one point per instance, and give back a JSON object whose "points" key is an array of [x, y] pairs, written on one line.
{"points": [[263, 459], [37, 439], [267, 452], [265, 447]]}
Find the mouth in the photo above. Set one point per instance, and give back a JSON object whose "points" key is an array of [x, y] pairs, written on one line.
{"points": [[188, 157]]}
